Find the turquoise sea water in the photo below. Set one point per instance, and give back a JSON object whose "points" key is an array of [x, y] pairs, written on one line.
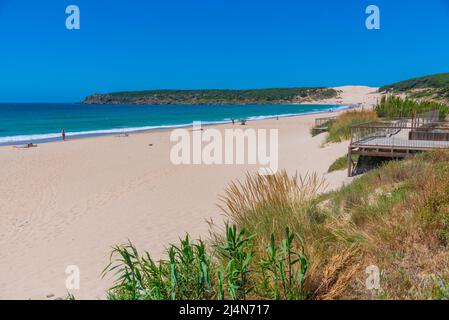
{"points": [[43, 122]]}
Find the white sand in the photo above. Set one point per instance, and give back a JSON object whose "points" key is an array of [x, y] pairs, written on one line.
{"points": [[67, 203], [367, 97]]}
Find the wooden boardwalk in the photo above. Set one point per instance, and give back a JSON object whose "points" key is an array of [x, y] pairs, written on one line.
{"points": [[394, 142], [395, 139]]}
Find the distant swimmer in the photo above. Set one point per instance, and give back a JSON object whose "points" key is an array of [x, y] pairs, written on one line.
{"points": [[63, 134]]}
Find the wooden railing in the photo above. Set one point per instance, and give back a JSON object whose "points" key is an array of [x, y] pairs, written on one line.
{"points": [[323, 122], [400, 135], [403, 132]]}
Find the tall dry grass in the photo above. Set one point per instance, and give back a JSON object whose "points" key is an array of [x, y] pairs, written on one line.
{"points": [[266, 204], [269, 203], [399, 213]]}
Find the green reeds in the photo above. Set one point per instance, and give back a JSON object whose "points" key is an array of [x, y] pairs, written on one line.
{"points": [[284, 268], [186, 275], [231, 271], [237, 253], [396, 107]]}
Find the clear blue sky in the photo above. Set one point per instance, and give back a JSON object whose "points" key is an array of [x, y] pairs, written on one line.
{"points": [[148, 44]]}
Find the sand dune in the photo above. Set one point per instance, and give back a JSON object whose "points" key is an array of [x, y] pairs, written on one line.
{"points": [[367, 97], [67, 203]]}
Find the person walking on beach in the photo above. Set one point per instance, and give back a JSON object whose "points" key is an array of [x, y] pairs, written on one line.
{"points": [[63, 134]]}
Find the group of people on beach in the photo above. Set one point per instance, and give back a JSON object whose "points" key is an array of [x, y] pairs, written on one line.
{"points": [[243, 121], [63, 134]]}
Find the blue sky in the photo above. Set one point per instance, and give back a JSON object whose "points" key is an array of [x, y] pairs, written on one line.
{"points": [[185, 44]]}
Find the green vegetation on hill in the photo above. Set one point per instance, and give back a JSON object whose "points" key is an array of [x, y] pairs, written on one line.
{"points": [[395, 217], [432, 81], [428, 87], [276, 95]]}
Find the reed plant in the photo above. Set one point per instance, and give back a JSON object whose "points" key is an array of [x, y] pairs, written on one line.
{"points": [[187, 274], [284, 268], [392, 106], [191, 272], [238, 255]]}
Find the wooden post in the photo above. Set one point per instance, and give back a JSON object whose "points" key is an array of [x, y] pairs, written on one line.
{"points": [[349, 162]]}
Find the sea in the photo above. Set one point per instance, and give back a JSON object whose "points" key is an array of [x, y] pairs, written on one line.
{"points": [[42, 122]]}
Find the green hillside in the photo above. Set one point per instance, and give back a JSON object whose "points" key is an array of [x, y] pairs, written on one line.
{"points": [[433, 86], [255, 96]]}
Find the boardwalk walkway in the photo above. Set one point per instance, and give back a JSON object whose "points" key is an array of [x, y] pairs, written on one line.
{"points": [[396, 139]]}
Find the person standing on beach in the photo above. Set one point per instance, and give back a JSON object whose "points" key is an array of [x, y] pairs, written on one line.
{"points": [[63, 134]]}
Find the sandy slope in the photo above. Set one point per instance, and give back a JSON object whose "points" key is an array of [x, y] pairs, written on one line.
{"points": [[67, 203], [353, 95]]}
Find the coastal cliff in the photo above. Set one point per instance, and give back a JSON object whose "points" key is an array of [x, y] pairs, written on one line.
{"points": [[257, 96]]}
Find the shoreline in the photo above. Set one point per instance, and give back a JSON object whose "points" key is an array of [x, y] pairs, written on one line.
{"points": [[85, 196], [56, 137], [65, 204]]}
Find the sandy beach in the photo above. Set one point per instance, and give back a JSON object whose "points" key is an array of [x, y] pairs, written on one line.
{"points": [[67, 203]]}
